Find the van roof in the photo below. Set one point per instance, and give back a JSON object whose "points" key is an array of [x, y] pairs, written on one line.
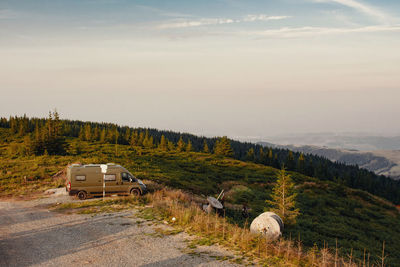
{"points": [[93, 165]]}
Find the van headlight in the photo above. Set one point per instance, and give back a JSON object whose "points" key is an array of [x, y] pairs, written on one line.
{"points": [[140, 182]]}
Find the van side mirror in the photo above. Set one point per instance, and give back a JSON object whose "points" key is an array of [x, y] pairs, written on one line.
{"points": [[130, 179]]}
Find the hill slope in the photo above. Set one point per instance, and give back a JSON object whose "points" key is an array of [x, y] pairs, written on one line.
{"points": [[37, 130], [329, 211]]}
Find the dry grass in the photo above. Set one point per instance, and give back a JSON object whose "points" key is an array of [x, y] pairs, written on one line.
{"points": [[166, 204], [169, 204]]}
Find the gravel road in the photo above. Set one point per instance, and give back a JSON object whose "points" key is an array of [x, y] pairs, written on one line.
{"points": [[31, 235]]}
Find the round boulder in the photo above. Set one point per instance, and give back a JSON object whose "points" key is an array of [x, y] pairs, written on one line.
{"points": [[267, 224]]}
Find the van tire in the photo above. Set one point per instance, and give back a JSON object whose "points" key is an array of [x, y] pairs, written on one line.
{"points": [[135, 192], [82, 195]]}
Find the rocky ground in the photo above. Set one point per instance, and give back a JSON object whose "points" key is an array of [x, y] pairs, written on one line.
{"points": [[32, 235]]}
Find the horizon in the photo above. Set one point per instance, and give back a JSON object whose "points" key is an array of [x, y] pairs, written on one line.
{"points": [[215, 68]]}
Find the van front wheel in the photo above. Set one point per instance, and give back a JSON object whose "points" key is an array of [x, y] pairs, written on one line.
{"points": [[82, 195], [135, 192]]}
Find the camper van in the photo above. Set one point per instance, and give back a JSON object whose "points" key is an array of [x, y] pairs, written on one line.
{"points": [[87, 180]]}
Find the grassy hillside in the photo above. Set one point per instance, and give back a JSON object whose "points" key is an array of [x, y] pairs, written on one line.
{"points": [[329, 211]]}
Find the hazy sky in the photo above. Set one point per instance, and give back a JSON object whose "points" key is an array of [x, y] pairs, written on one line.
{"points": [[221, 67]]}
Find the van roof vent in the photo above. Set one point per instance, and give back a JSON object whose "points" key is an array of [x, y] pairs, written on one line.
{"points": [[92, 165]]}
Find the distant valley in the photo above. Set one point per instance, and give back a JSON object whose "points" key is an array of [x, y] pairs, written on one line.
{"points": [[382, 162], [346, 141]]}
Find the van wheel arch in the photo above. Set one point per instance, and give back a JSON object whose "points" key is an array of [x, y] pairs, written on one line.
{"points": [[82, 195], [135, 192]]}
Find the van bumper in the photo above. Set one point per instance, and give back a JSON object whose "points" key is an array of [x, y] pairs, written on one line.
{"points": [[144, 190]]}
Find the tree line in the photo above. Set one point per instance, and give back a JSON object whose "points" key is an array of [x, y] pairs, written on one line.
{"points": [[48, 136]]}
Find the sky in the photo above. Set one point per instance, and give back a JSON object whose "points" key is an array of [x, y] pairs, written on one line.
{"points": [[241, 68]]}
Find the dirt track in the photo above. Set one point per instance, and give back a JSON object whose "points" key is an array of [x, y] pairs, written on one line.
{"points": [[31, 235]]}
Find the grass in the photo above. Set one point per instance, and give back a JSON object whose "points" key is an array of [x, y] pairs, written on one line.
{"points": [[212, 229], [357, 220]]}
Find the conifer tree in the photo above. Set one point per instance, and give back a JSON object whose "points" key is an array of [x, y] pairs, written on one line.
{"points": [[163, 144], [290, 163], [116, 135], [223, 147], [127, 136], [171, 146], [205, 147], [28, 145], [270, 157], [141, 139], [250, 155], [13, 125], [181, 145], [110, 136], [300, 163], [81, 135], [283, 197], [88, 132], [261, 156], [96, 135], [21, 131], [189, 147], [148, 141], [134, 140], [102, 137]]}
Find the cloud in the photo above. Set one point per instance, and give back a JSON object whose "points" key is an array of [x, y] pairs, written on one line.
{"points": [[361, 7], [183, 23], [7, 14], [251, 18], [316, 31]]}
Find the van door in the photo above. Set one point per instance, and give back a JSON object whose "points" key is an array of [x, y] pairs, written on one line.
{"points": [[126, 182], [111, 180]]}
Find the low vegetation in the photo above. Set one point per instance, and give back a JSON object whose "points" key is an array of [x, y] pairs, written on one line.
{"points": [[179, 210], [330, 212]]}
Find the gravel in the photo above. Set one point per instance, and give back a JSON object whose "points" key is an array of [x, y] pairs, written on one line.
{"points": [[31, 235]]}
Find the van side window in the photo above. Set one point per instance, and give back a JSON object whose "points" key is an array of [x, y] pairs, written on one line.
{"points": [[125, 177], [80, 178], [109, 177]]}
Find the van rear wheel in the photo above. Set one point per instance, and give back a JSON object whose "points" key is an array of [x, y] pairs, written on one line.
{"points": [[135, 192], [82, 195]]}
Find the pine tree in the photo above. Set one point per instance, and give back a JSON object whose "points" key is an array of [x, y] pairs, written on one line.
{"points": [[134, 140], [141, 139], [81, 135], [28, 145], [21, 131], [171, 146], [163, 144], [116, 135], [148, 141], [127, 136], [300, 163], [88, 132], [270, 157], [96, 135], [110, 136], [250, 155], [290, 163], [189, 147], [205, 147], [102, 137], [181, 145], [283, 198], [261, 156], [223, 147]]}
